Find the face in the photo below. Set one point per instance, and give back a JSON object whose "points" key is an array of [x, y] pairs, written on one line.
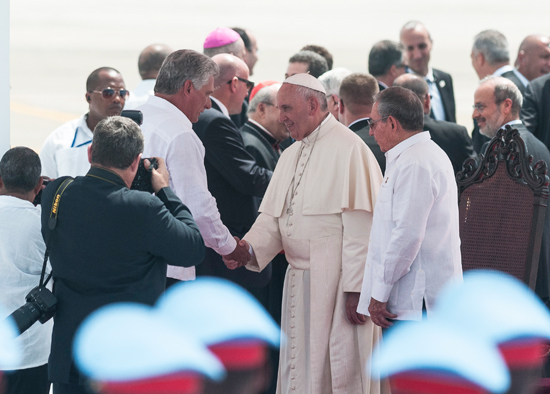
{"points": [[272, 114], [487, 113], [100, 107], [333, 105], [241, 91], [417, 48], [536, 60], [200, 100], [380, 130], [251, 57], [294, 112], [296, 68]]}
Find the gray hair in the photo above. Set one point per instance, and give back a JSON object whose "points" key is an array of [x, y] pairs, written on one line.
{"points": [[412, 25], [184, 65], [236, 48], [267, 94], [332, 80], [383, 55], [308, 93], [20, 170], [505, 89], [317, 64], [402, 104], [493, 46], [117, 142]]}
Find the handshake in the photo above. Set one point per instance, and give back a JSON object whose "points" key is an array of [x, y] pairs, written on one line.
{"points": [[239, 257]]}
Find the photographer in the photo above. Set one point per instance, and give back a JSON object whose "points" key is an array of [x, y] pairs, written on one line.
{"points": [[111, 244], [21, 257]]}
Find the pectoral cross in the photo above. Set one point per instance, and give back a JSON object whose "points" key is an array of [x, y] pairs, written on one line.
{"points": [[289, 211]]}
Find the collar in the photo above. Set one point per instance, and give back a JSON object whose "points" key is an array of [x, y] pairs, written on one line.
{"points": [[502, 70], [311, 138], [394, 152], [168, 106], [106, 175], [512, 123], [357, 121], [83, 126], [145, 86], [383, 84], [520, 76], [428, 77], [222, 107], [271, 139], [12, 201]]}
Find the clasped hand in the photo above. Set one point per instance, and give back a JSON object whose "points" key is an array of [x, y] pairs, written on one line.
{"points": [[239, 257]]}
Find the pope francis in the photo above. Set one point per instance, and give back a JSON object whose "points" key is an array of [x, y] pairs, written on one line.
{"points": [[318, 208]]}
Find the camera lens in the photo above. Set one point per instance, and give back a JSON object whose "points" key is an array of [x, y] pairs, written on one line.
{"points": [[26, 316]]}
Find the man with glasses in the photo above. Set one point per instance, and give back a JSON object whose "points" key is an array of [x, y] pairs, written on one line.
{"points": [[65, 150], [414, 243], [234, 177], [386, 62]]}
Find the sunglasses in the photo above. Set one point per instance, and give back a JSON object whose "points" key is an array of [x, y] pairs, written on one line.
{"points": [[109, 93], [372, 123], [249, 84]]}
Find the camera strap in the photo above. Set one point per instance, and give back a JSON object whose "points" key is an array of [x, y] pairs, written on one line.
{"points": [[52, 223]]}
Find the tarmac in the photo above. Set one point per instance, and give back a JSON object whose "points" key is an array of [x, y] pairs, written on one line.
{"points": [[56, 44]]}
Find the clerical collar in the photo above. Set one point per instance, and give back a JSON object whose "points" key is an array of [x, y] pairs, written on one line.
{"points": [[311, 138], [262, 128], [223, 108]]}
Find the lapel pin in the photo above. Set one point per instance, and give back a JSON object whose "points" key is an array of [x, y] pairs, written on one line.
{"points": [[442, 84]]}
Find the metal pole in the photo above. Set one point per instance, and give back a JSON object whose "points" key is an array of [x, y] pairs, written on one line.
{"points": [[4, 76]]}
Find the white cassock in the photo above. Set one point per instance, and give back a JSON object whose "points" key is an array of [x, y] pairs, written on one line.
{"points": [[318, 208]]}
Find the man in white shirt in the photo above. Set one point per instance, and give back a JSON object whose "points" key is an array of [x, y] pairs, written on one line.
{"points": [[65, 151], [418, 46], [414, 244], [21, 257], [149, 63], [182, 92]]}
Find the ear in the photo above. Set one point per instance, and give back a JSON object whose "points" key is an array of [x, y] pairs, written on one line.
{"points": [[38, 186], [187, 88], [314, 106], [90, 154], [233, 85], [507, 108], [341, 107], [1, 184], [427, 103], [135, 164], [88, 97], [521, 58], [260, 110]]}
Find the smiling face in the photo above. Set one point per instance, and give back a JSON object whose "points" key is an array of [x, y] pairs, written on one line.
{"points": [[534, 62], [418, 46], [487, 113], [294, 112]]}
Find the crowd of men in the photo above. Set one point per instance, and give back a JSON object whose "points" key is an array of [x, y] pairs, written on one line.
{"points": [[329, 195]]}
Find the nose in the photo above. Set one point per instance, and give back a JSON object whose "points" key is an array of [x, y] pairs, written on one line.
{"points": [[117, 98], [208, 103], [371, 131], [476, 114]]}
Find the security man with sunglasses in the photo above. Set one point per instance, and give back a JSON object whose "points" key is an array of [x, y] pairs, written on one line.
{"points": [[65, 150]]}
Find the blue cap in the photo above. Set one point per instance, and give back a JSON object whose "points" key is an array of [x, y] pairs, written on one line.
{"points": [[493, 305], [10, 352], [439, 351], [216, 311], [129, 341]]}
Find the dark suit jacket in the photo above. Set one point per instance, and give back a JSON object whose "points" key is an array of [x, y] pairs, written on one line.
{"points": [[361, 128], [240, 119], [111, 244], [535, 113], [381, 87], [447, 93], [513, 77], [539, 152], [234, 179], [452, 138]]}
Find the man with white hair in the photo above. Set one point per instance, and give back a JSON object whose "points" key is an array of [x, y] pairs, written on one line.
{"points": [[331, 81], [318, 208]]}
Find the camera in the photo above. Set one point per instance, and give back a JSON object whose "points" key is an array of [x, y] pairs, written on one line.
{"points": [[142, 180], [41, 305], [38, 198]]}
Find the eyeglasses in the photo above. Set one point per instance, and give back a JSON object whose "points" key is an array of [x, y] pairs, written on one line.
{"points": [[249, 84], [109, 93], [479, 107], [371, 122]]}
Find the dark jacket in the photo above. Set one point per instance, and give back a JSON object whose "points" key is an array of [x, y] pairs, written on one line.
{"points": [[535, 113], [452, 138], [362, 128], [111, 244], [234, 179], [444, 83]]}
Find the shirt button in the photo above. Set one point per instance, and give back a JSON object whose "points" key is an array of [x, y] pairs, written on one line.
{"points": [[302, 164], [293, 347], [293, 356], [293, 367]]}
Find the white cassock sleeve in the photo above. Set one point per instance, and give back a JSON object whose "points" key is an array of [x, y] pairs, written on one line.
{"points": [[357, 225], [265, 238]]}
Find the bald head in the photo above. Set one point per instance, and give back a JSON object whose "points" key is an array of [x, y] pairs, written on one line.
{"points": [[230, 66], [230, 85], [418, 86], [533, 59], [150, 60]]}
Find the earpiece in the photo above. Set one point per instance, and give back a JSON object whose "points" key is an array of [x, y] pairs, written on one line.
{"points": [[88, 97]]}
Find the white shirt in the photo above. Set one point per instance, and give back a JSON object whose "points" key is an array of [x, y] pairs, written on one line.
{"points": [[169, 134], [65, 151], [436, 102], [21, 256], [414, 243], [357, 121], [140, 94]]}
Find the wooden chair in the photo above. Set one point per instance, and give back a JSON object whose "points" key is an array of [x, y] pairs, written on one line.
{"points": [[502, 203]]}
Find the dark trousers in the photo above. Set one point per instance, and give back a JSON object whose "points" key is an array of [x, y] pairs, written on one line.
{"points": [[71, 388], [27, 381]]}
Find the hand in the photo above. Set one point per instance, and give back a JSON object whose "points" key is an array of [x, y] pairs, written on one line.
{"points": [[239, 257], [354, 317], [379, 314], [160, 177]]}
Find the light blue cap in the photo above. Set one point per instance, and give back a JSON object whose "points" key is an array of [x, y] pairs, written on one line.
{"points": [[129, 341], [436, 347], [10, 351], [216, 311], [493, 305]]}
